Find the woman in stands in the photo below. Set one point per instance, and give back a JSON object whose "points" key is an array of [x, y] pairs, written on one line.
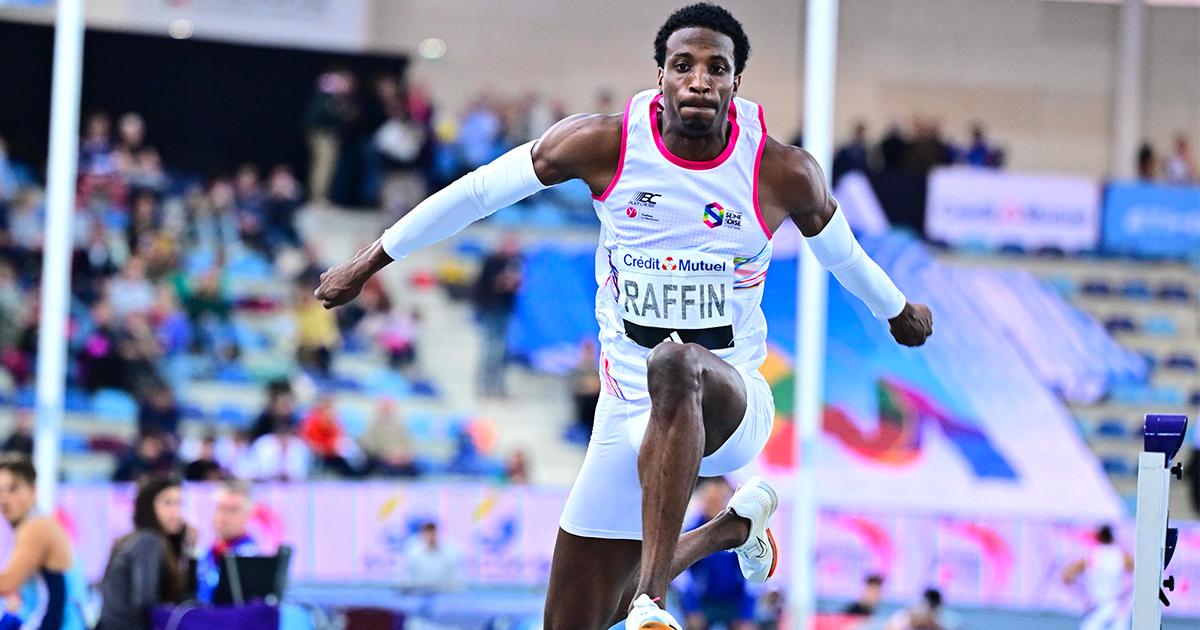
{"points": [[147, 566], [41, 572]]}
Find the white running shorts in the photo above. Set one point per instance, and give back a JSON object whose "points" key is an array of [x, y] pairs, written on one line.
{"points": [[606, 500]]}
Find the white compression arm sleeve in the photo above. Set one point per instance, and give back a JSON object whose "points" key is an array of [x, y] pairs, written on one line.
{"points": [[838, 251], [505, 181]]}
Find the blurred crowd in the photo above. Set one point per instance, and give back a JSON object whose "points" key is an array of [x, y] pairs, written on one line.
{"points": [[915, 150], [1177, 166], [385, 144]]}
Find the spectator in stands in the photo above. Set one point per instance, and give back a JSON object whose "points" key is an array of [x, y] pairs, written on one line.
{"points": [[927, 614], [231, 518], [12, 307], [131, 133], [95, 151], [433, 565], [1147, 163], [316, 330], [980, 153], [174, 333], [388, 444], [150, 456], [8, 174], [93, 263], [159, 413], [213, 228], [853, 156], [279, 456], [103, 367], [495, 300], [481, 135], [1180, 167], [716, 594], [140, 353], [927, 149], [327, 440], [131, 293], [322, 128], [148, 566], [25, 227], [283, 201], [280, 411], [516, 469], [893, 148], [249, 209], [405, 145], [21, 438], [585, 388], [205, 466], [868, 602]]}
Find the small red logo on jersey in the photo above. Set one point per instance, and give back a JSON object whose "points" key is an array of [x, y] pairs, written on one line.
{"points": [[669, 264], [631, 212]]}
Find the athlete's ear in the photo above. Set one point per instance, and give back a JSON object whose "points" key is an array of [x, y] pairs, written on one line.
{"points": [[660, 79], [737, 82]]}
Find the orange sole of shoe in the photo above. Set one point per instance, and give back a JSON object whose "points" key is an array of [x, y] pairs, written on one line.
{"points": [[775, 553], [654, 625]]}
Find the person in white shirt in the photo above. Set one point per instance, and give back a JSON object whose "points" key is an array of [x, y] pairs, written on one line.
{"points": [[1104, 571], [279, 456], [432, 565]]}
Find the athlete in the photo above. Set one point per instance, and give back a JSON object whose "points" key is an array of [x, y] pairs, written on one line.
{"points": [[41, 571], [689, 189], [1104, 571]]}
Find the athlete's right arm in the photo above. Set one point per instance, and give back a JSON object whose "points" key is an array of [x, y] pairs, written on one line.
{"points": [[28, 554], [578, 147]]}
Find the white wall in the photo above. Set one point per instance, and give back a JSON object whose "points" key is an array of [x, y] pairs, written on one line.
{"points": [[1039, 75]]}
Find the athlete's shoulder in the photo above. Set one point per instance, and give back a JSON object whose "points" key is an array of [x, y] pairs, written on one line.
{"points": [[581, 146], [790, 178]]}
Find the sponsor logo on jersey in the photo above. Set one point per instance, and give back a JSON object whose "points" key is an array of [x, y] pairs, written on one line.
{"points": [[714, 215], [631, 212], [644, 199], [671, 263], [733, 219]]}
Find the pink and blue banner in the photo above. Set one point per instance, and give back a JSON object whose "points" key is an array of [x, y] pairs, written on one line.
{"points": [[351, 533]]}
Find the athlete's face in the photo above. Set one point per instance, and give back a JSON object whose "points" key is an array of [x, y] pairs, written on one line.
{"points": [[17, 497], [697, 80]]}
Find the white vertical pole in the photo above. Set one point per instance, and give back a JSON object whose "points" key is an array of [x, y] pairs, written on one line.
{"points": [[812, 300], [56, 260], [1127, 93], [1153, 494]]}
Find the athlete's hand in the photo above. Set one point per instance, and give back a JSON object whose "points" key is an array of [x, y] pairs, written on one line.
{"points": [[913, 325], [344, 282]]}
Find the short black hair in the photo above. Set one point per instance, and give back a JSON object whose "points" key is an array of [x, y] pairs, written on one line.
{"points": [[20, 466], [932, 597], [874, 580], [704, 15], [1104, 535]]}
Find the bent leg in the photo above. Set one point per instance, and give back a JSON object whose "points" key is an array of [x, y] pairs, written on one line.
{"points": [[588, 577], [697, 403]]}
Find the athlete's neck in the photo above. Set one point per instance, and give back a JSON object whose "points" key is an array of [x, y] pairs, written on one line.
{"points": [[692, 148]]}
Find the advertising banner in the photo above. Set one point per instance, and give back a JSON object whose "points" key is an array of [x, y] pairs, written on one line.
{"points": [[1152, 220]]}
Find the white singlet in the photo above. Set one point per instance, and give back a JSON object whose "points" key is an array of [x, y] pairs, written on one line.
{"points": [[683, 255]]}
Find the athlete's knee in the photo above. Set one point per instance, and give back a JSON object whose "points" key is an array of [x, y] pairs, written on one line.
{"points": [[675, 369]]}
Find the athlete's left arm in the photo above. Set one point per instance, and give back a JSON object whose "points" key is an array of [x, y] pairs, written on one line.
{"points": [[791, 181], [28, 553]]}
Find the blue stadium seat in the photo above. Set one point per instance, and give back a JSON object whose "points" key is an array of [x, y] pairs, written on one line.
{"points": [[1160, 325], [1062, 283], [191, 411], [1117, 467], [354, 420], [26, 398], [1112, 428], [1174, 292], [114, 405], [1096, 287], [1194, 399], [1136, 290], [76, 400], [74, 444], [385, 382], [1181, 362], [1120, 323], [233, 416]]}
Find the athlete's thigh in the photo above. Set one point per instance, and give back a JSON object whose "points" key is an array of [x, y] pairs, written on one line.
{"points": [[588, 576], [724, 400]]}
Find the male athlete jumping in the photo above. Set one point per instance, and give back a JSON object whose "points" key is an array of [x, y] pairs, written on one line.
{"points": [[689, 189]]}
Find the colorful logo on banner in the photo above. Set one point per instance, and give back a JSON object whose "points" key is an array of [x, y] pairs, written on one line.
{"points": [[873, 537], [714, 215], [896, 439], [991, 567]]}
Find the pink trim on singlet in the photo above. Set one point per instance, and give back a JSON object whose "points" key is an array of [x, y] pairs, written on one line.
{"points": [[762, 143], [621, 160], [678, 161]]}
